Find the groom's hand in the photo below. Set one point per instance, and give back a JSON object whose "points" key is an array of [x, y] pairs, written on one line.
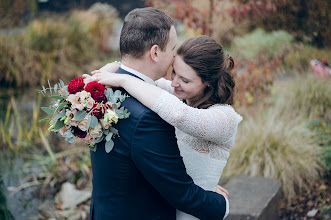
{"points": [[222, 191]]}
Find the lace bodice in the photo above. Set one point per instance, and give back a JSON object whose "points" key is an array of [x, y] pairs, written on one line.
{"points": [[205, 130], [204, 136]]}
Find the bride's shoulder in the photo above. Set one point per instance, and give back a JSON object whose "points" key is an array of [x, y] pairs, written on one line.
{"points": [[226, 109]]}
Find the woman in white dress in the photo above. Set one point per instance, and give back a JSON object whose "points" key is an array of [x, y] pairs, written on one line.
{"points": [[197, 102]]}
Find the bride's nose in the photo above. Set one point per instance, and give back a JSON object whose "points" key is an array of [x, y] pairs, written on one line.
{"points": [[174, 83]]}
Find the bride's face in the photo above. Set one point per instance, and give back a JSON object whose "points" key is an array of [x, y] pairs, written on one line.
{"points": [[187, 84]]}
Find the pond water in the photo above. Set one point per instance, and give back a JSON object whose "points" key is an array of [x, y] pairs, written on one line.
{"points": [[13, 167]]}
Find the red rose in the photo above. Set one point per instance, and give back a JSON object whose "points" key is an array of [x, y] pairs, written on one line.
{"points": [[98, 111], [76, 85], [100, 97], [94, 88], [79, 133]]}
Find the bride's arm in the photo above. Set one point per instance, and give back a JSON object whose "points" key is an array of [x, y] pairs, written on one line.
{"points": [[216, 124], [146, 93]]}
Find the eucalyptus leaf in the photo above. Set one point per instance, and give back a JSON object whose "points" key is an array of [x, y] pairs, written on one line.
{"points": [[70, 140], [106, 131], [55, 88], [44, 119], [50, 87], [109, 145], [62, 83], [56, 97], [60, 115], [47, 110], [99, 139], [109, 136], [59, 124], [80, 115], [62, 106], [44, 89], [92, 121], [113, 130]]}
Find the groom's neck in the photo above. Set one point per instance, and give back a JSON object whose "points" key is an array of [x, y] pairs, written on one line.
{"points": [[141, 66]]}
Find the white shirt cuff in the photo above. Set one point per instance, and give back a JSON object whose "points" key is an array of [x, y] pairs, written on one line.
{"points": [[227, 208]]}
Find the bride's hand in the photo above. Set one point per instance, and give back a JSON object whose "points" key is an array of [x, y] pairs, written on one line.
{"points": [[222, 191], [109, 67], [108, 79]]}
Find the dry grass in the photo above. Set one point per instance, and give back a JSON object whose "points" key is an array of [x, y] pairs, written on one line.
{"points": [[276, 142]]}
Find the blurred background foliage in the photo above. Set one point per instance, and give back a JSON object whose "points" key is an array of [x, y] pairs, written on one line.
{"points": [[286, 131]]}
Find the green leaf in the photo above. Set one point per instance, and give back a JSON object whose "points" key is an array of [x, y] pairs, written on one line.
{"points": [[99, 139], [44, 90], [109, 145], [55, 88], [50, 87], [44, 119], [61, 83], [59, 124], [80, 115], [106, 131], [113, 130], [60, 115], [47, 110], [109, 136], [56, 97], [92, 121], [62, 106], [70, 140]]}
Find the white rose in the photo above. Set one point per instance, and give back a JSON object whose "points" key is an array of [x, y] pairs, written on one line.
{"points": [[111, 116]]}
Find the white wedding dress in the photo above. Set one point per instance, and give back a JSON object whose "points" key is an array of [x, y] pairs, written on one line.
{"points": [[204, 136]]}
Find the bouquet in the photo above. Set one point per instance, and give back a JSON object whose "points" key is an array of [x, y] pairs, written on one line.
{"points": [[85, 109]]}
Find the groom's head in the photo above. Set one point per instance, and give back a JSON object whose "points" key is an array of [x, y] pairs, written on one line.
{"points": [[148, 35]]}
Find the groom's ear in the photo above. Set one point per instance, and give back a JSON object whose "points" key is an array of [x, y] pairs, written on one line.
{"points": [[153, 53]]}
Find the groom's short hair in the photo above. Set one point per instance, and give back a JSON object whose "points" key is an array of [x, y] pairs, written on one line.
{"points": [[143, 28]]}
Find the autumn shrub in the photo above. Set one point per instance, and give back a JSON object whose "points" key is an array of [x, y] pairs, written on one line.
{"points": [[259, 42], [308, 21], [252, 84], [53, 48], [16, 12], [275, 144]]}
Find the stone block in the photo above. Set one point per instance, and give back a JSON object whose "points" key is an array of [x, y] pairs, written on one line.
{"points": [[253, 198]]}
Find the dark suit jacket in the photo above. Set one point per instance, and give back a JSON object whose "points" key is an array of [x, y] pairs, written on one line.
{"points": [[144, 177]]}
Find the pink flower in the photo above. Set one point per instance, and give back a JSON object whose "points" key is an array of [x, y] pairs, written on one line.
{"points": [[96, 131], [82, 125], [90, 103], [88, 139], [104, 124], [62, 131], [76, 100]]}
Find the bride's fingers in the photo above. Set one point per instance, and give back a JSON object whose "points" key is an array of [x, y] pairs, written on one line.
{"points": [[221, 189], [86, 75], [95, 71]]}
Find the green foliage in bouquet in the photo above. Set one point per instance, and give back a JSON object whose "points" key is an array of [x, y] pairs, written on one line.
{"points": [[85, 110]]}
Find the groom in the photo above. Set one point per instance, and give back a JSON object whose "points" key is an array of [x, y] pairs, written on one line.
{"points": [[144, 177]]}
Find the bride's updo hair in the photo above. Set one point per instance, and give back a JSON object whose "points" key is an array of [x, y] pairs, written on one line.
{"points": [[213, 66]]}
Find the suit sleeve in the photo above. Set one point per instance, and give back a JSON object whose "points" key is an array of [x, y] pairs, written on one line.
{"points": [[155, 153]]}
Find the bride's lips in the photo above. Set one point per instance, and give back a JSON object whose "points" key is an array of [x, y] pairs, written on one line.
{"points": [[178, 91]]}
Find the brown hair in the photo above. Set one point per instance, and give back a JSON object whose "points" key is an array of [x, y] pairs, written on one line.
{"points": [[207, 58], [143, 28]]}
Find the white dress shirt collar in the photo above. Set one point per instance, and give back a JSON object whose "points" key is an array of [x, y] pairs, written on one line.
{"points": [[140, 75]]}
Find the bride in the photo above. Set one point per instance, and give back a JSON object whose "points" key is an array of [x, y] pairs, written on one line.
{"points": [[197, 102]]}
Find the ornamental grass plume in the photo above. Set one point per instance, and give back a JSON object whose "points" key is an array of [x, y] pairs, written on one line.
{"points": [[308, 95], [275, 144]]}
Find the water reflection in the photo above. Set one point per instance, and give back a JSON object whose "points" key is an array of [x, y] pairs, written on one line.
{"points": [[21, 202]]}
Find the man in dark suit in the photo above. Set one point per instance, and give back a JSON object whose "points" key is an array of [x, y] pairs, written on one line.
{"points": [[144, 177]]}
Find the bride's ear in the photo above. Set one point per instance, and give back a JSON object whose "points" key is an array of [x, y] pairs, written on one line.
{"points": [[153, 53]]}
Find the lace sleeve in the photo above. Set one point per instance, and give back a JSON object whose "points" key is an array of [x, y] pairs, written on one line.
{"points": [[165, 84], [216, 124]]}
